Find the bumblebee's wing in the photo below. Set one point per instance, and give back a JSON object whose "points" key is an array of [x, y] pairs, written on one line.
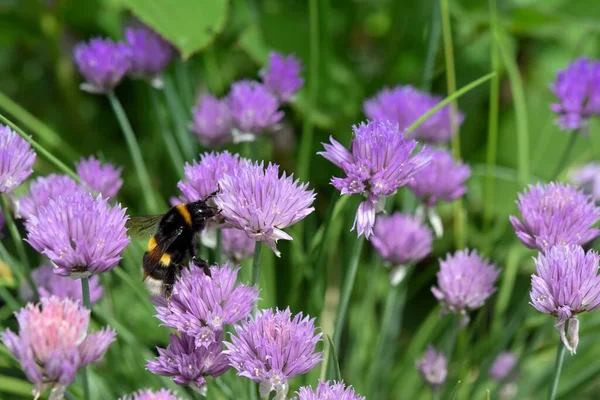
{"points": [[143, 225]]}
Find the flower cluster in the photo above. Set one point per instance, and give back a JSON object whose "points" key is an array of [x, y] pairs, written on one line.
{"points": [[403, 105], [282, 76], [380, 161], [433, 368], [44, 189], [237, 246], [104, 179], [149, 53], [53, 343], [503, 366], [587, 178], [16, 160], [212, 121], [328, 390], [148, 394]]}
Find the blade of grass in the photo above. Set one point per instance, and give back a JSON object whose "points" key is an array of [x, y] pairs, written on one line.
{"points": [[336, 364], [432, 46], [166, 134], [180, 119]]}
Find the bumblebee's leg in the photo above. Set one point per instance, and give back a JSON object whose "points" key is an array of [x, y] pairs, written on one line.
{"points": [[169, 281], [202, 264]]}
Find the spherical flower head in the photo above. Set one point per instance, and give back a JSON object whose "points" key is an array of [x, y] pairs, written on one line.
{"points": [[380, 161], [49, 284], [587, 178], [16, 159], [104, 179], [103, 63], [503, 365], [44, 189], [261, 203], [465, 281], [433, 368], [577, 89], [282, 76], [272, 348], [403, 105], [188, 364], [212, 122], [237, 246], [442, 179], [566, 283], [149, 394], [53, 343], [555, 214], [149, 53], [328, 390], [253, 108], [80, 234], [201, 305]]}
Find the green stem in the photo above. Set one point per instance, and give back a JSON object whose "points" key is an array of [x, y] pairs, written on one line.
{"points": [[219, 248], [135, 152], [435, 394], [18, 241], [432, 46], [256, 267], [340, 317], [212, 68], [180, 119], [41, 150], [166, 134], [306, 143], [565, 155], [85, 295], [560, 357]]}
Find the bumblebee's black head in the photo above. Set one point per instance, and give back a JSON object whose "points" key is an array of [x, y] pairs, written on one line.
{"points": [[200, 211]]}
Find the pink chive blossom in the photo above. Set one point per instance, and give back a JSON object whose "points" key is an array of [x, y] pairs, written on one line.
{"points": [[16, 160], [587, 178], [328, 390], [503, 366], [103, 63], [149, 53], [104, 179], [433, 368], [253, 108], [149, 394], [282, 76], [213, 122], [237, 246]]}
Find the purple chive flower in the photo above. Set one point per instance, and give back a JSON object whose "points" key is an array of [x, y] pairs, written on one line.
{"points": [[329, 390], [282, 76], [50, 284], [272, 347], [53, 343], [465, 281], [380, 162], [262, 203], [79, 234], [237, 246], [433, 368], [403, 105], [577, 89], [148, 394], [16, 159], [555, 214], [587, 178], [149, 53], [44, 189], [102, 179], [442, 179], [212, 121], [201, 306], [401, 239], [253, 108], [565, 284], [188, 364], [103, 63], [503, 365]]}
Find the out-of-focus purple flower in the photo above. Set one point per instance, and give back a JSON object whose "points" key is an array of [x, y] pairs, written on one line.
{"points": [[212, 121], [253, 108], [81, 235], [44, 189], [328, 390], [587, 178], [103, 63], [272, 347], [565, 284], [188, 364], [465, 281], [282, 76], [442, 179], [401, 239], [403, 105], [433, 368], [503, 365], [381, 160], [53, 343], [149, 394], [201, 305], [149, 53], [262, 203], [16, 159], [101, 179], [49, 284], [237, 246], [577, 89], [555, 214]]}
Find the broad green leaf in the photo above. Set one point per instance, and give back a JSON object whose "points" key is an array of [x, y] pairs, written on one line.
{"points": [[189, 24]]}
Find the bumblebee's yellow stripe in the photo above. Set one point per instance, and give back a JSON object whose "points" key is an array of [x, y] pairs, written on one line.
{"points": [[165, 260], [152, 243], [184, 213]]}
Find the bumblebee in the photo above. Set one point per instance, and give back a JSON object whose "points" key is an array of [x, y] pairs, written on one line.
{"points": [[172, 244]]}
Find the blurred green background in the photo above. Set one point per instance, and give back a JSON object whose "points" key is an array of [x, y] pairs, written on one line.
{"points": [[362, 46]]}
